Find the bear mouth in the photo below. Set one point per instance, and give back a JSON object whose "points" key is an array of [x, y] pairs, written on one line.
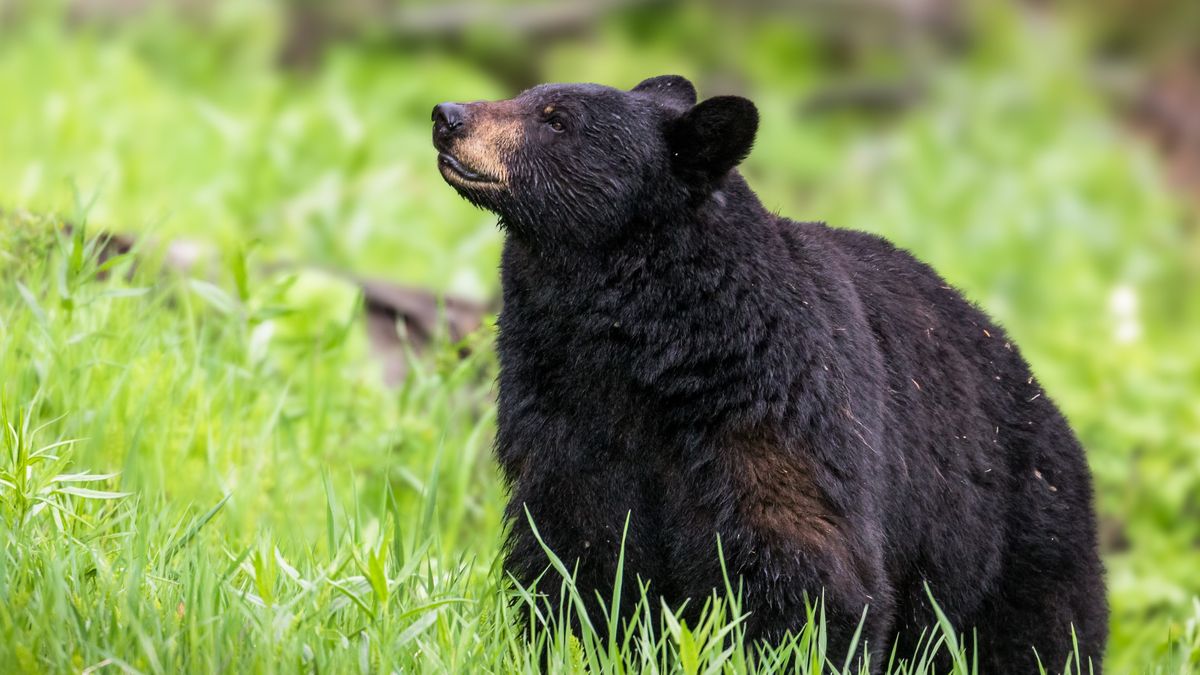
{"points": [[453, 168]]}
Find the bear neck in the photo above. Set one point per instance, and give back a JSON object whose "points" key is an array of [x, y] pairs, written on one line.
{"points": [[668, 228], [656, 318]]}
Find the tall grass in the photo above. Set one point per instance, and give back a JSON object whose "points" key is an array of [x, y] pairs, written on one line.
{"points": [[181, 494]]}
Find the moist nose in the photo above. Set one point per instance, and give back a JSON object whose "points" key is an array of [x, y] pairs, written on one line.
{"points": [[447, 119]]}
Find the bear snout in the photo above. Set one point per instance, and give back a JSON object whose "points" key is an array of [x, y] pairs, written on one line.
{"points": [[474, 140], [448, 120]]}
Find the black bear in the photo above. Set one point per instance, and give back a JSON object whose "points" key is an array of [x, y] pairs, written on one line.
{"points": [[844, 422]]}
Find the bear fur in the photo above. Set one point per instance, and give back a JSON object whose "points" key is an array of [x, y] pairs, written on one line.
{"points": [[842, 420]]}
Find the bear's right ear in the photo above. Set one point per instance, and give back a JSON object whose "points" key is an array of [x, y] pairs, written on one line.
{"points": [[713, 137], [673, 88]]}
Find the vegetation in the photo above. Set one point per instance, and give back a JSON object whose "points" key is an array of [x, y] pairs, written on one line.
{"points": [[204, 472]]}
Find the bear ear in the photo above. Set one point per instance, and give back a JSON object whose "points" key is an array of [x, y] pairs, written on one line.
{"points": [[673, 88], [713, 137]]}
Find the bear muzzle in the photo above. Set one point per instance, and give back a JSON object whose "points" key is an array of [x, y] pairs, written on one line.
{"points": [[472, 140]]}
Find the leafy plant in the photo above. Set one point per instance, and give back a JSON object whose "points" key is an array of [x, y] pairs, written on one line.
{"points": [[32, 478]]}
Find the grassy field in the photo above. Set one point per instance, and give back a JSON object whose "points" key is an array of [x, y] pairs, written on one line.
{"points": [[205, 473]]}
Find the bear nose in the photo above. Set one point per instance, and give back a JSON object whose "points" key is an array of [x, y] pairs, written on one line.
{"points": [[448, 118]]}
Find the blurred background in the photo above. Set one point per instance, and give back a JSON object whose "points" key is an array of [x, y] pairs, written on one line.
{"points": [[1043, 155]]}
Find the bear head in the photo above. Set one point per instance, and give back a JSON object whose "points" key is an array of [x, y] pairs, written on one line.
{"points": [[578, 164]]}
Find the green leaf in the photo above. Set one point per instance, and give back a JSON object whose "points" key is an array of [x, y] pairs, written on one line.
{"points": [[195, 528], [32, 303], [123, 293], [82, 477], [419, 626], [689, 652], [91, 494], [214, 296], [353, 597]]}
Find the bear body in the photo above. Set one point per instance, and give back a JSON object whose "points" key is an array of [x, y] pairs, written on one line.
{"points": [[840, 419]]}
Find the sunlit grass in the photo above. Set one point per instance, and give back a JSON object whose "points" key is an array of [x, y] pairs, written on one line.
{"points": [[252, 519]]}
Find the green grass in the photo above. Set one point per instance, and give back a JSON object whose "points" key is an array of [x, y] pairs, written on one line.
{"points": [[264, 518], [275, 508], [219, 481]]}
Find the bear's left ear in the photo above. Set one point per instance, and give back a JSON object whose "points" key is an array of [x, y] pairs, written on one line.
{"points": [[713, 137], [673, 88]]}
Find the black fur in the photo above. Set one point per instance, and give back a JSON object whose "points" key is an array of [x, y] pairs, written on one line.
{"points": [[841, 418]]}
